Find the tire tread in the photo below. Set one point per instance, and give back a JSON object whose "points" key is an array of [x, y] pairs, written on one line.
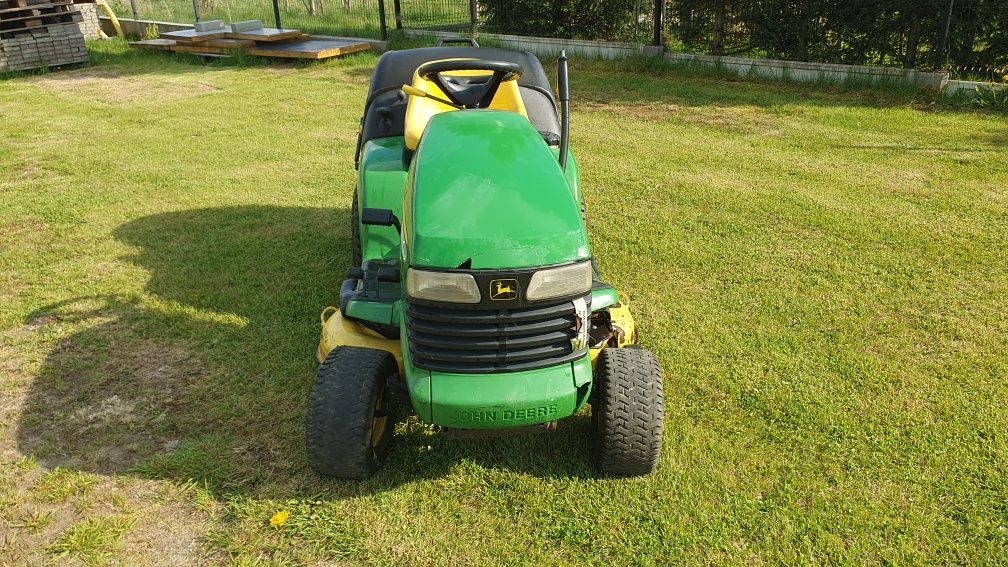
{"points": [[628, 413], [341, 412]]}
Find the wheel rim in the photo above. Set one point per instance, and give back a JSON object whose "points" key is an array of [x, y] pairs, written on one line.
{"points": [[380, 421]]}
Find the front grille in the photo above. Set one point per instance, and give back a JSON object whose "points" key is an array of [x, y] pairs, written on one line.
{"points": [[470, 341]]}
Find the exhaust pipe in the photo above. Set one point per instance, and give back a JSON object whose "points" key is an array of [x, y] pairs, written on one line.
{"points": [[564, 88]]}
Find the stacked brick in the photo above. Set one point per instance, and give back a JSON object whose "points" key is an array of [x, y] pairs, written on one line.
{"points": [[89, 24], [39, 33]]}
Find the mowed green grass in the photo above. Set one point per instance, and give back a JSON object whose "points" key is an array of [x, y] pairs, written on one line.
{"points": [[822, 272]]}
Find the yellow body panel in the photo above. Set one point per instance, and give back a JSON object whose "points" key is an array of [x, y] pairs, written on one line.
{"points": [[624, 329], [419, 110], [337, 331]]}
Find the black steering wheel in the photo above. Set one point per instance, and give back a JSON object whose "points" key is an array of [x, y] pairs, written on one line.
{"points": [[469, 92]]}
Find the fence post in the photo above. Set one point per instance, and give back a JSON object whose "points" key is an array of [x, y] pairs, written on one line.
{"points": [[133, 8], [195, 9], [944, 47], [381, 20], [397, 6], [659, 21], [473, 16], [276, 14]]}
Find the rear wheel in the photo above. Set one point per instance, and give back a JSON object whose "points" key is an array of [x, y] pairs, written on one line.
{"points": [[350, 419], [628, 412]]}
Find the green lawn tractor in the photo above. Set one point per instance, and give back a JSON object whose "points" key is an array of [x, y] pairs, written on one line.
{"points": [[474, 293]]}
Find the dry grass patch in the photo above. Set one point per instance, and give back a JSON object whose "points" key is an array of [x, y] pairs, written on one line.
{"points": [[117, 86], [739, 119]]}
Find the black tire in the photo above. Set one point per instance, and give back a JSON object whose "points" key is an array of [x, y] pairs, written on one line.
{"points": [[345, 409], [358, 253], [628, 411]]}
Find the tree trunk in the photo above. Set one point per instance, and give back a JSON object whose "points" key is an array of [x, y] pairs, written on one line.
{"points": [[717, 47], [913, 42]]}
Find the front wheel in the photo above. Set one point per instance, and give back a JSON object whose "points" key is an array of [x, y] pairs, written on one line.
{"points": [[628, 412], [349, 425]]}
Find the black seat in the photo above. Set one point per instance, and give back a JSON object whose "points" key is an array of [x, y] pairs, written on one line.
{"points": [[385, 110]]}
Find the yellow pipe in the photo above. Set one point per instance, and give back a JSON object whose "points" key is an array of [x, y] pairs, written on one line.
{"points": [[111, 16]]}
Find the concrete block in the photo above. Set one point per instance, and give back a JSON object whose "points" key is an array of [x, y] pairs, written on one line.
{"points": [[653, 50], [245, 26], [209, 25]]}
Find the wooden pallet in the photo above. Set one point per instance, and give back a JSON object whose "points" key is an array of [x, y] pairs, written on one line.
{"points": [[193, 36], [25, 7], [310, 49], [229, 44], [158, 44], [20, 16], [268, 42], [172, 45], [268, 35]]}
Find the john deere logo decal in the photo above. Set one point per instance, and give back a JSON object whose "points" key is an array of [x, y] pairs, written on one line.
{"points": [[503, 290]]}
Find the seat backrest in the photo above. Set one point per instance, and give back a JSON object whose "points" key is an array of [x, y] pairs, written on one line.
{"points": [[419, 110]]}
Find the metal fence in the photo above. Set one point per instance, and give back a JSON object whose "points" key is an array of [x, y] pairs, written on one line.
{"points": [[970, 37], [965, 36], [325, 17]]}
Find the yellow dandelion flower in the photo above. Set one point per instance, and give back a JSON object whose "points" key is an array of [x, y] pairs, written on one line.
{"points": [[279, 519]]}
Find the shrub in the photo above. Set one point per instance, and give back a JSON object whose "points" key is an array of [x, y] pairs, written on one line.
{"points": [[990, 97], [569, 19]]}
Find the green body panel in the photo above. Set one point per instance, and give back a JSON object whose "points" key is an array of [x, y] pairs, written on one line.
{"points": [[418, 381], [571, 173], [375, 311], [381, 183], [513, 399], [484, 185], [582, 371], [602, 298]]}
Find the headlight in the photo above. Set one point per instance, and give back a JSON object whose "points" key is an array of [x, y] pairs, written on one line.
{"points": [[560, 282], [442, 286]]}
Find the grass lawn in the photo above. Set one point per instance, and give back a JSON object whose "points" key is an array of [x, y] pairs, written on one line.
{"points": [[823, 273]]}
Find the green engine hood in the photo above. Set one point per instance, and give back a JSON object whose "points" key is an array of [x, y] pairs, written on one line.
{"points": [[484, 185]]}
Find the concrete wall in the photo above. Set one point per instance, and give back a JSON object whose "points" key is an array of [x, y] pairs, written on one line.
{"points": [[138, 28], [546, 47], [745, 66], [812, 72], [956, 87]]}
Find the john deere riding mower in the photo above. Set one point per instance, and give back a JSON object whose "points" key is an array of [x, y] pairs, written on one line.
{"points": [[474, 293]]}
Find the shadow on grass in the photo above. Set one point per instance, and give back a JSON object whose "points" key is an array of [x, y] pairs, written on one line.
{"points": [[206, 376]]}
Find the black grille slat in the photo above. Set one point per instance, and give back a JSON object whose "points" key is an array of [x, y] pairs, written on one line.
{"points": [[491, 342], [466, 340], [492, 317], [498, 327], [485, 355]]}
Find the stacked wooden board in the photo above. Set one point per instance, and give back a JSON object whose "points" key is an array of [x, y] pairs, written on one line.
{"points": [[39, 33], [252, 39]]}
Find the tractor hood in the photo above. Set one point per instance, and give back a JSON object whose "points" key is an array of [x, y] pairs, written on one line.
{"points": [[484, 186]]}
